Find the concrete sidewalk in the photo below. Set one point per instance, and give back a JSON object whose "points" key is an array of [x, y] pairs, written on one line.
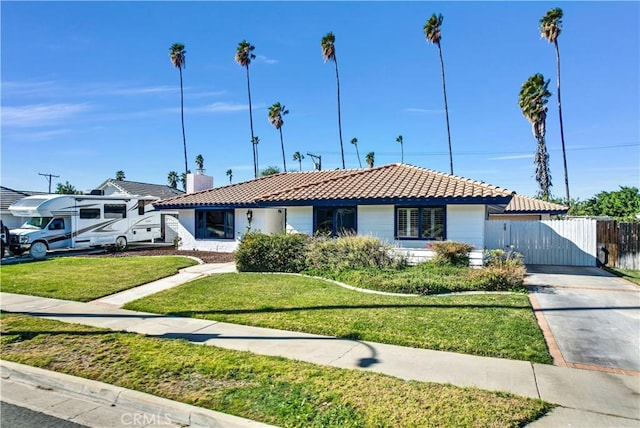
{"points": [[592, 396], [185, 275]]}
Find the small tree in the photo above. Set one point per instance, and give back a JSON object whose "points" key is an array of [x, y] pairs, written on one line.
{"points": [[399, 140], [230, 175], [354, 141], [183, 179], [200, 164], [172, 179], [370, 158], [297, 156], [66, 189], [270, 170], [120, 175]]}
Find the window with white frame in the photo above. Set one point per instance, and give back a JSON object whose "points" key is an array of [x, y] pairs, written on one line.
{"points": [[420, 223]]}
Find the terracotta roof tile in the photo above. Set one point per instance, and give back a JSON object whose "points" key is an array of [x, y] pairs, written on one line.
{"points": [[524, 204], [394, 181]]}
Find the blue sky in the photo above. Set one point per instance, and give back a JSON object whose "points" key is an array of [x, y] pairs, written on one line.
{"points": [[88, 89]]}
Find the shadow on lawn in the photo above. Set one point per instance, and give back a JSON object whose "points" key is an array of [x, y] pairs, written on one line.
{"points": [[270, 309]]}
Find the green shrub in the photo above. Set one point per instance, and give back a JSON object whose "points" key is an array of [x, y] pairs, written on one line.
{"points": [[505, 277], [326, 255], [452, 253], [258, 252], [499, 257]]}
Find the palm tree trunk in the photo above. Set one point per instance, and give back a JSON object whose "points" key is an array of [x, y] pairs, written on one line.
{"points": [[300, 162], [358, 154], [564, 153], [184, 138], [255, 149], [335, 60], [446, 108], [284, 161]]}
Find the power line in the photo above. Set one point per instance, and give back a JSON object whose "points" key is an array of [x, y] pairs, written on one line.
{"points": [[502, 153]]}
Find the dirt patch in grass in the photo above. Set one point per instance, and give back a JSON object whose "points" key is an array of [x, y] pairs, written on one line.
{"points": [[205, 256]]}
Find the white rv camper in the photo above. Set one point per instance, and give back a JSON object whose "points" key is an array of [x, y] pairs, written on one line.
{"points": [[76, 221]]}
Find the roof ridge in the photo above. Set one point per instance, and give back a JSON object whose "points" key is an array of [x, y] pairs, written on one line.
{"points": [[350, 172]]}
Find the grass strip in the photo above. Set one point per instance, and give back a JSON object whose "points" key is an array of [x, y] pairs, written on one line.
{"points": [[628, 274], [496, 325], [269, 389], [87, 278]]}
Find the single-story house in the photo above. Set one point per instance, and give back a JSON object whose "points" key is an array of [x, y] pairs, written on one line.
{"points": [[125, 187], [403, 205], [7, 197]]}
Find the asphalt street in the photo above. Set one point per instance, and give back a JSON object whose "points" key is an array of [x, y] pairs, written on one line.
{"points": [[20, 417]]}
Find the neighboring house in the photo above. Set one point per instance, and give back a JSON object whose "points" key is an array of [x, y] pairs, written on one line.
{"points": [[111, 186], [525, 208], [7, 197], [404, 205], [168, 221]]}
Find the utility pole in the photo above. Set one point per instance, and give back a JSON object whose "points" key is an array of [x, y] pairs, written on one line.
{"points": [[317, 160], [49, 178]]}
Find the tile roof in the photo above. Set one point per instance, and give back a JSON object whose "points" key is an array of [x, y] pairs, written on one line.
{"points": [[397, 182], [9, 196], [142, 189], [524, 205]]}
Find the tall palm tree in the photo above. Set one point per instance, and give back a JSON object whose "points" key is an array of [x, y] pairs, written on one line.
{"points": [[120, 175], [172, 178], [370, 158], [354, 141], [399, 140], [550, 28], [177, 55], [329, 54], [255, 140], [230, 175], [297, 156], [533, 99], [243, 57], [200, 164], [432, 33], [276, 111]]}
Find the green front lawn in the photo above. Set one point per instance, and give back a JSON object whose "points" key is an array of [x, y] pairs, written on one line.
{"points": [[87, 278], [268, 389], [497, 325], [628, 274]]}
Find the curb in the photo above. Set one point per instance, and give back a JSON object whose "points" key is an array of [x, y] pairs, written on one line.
{"points": [[111, 395]]}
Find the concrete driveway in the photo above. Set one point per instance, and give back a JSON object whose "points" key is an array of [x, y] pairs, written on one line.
{"points": [[590, 317]]}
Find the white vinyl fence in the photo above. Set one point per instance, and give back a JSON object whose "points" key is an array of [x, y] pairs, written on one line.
{"points": [[571, 242]]}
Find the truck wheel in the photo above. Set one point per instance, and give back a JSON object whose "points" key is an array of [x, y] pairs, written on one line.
{"points": [[121, 243], [38, 250]]}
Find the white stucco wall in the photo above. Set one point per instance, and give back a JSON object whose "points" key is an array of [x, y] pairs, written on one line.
{"points": [[465, 223], [376, 221], [300, 220]]}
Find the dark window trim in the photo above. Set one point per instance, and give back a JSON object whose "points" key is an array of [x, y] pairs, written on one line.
{"points": [[419, 237], [334, 232], [82, 214], [198, 234]]}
